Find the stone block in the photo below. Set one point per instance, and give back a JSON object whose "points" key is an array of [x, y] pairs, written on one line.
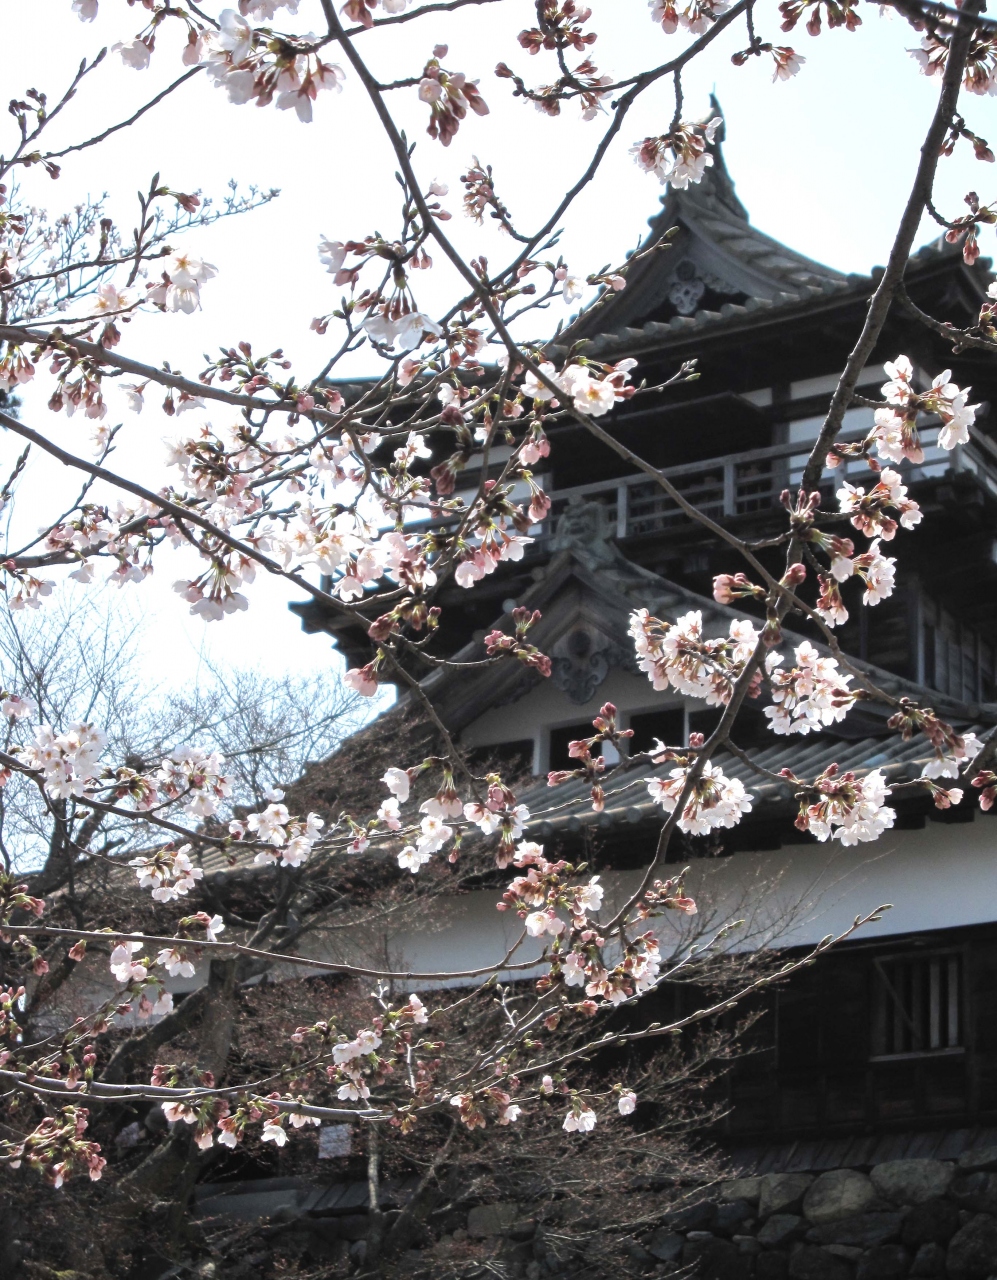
{"points": [[884, 1262], [741, 1189], [972, 1251], [783, 1192], [850, 1252], [976, 1192], [912, 1181], [491, 1219], [693, 1217], [929, 1263], [978, 1158], [814, 1263], [864, 1229], [839, 1193], [666, 1245], [779, 1229], [934, 1222], [731, 1216], [716, 1259]]}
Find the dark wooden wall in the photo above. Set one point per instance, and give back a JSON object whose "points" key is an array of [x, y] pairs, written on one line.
{"points": [[814, 1066]]}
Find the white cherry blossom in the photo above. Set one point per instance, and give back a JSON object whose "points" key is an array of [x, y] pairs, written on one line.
{"points": [[581, 1120]]}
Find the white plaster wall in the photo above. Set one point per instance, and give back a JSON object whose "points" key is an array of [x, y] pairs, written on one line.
{"points": [[940, 877], [548, 707]]}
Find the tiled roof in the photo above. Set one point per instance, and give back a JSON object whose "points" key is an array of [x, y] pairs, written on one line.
{"points": [[557, 810], [714, 230], [858, 1152]]}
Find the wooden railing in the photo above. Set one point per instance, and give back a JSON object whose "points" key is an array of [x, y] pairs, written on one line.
{"points": [[741, 484]]}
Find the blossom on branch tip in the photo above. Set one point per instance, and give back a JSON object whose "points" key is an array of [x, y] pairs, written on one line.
{"points": [[413, 859], [680, 157], [715, 800], [134, 53], [581, 1119], [847, 808], [695, 17], [808, 696]]}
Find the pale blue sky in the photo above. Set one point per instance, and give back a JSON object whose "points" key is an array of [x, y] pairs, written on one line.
{"points": [[823, 162]]}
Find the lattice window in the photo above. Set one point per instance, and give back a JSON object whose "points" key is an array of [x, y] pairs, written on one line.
{"points": [[917, 1004]]}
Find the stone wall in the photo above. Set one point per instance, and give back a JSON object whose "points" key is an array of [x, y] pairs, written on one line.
{"points": [[903, 1220], [923, 1219]]}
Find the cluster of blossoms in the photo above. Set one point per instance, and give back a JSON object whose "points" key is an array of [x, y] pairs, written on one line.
{"points": [[714, 801], [580, 962], [168, 873], [539, 895], [868, 511], [787, 61], [179, 289], [434, 831], [895, 433], [351, 1061], [840, 13], [986, 781], [588, 394], [563, 21], [132, 971], [695, 16], [67, 761], [499, 814], [674, 654], [105, 530], [497, 642], [809, 695], [896, 425], [337, 546], [847, 808], [57, 1148], [953, 752], [876, 570], [980, 75], [194, 775], [247, 64], [591, 766], [680, 157], [449, 96], [291, 840]]}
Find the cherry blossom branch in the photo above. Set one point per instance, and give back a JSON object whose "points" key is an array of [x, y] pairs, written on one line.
{"points": [[47, 117], [124, 124], [178, 512], [222, 949], [959, 338], [99, 1091], [896, 265], [442, 6], [711, 1011], [24, 335], [637, 85]]}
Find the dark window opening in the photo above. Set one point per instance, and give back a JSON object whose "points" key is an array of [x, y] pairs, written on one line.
{"points": [[667, 725], [559, 739], [750, 728], [917, 1004], [507, 758]]}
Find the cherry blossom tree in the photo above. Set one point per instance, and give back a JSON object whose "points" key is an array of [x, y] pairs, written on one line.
{"points": [[347, 492]]}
